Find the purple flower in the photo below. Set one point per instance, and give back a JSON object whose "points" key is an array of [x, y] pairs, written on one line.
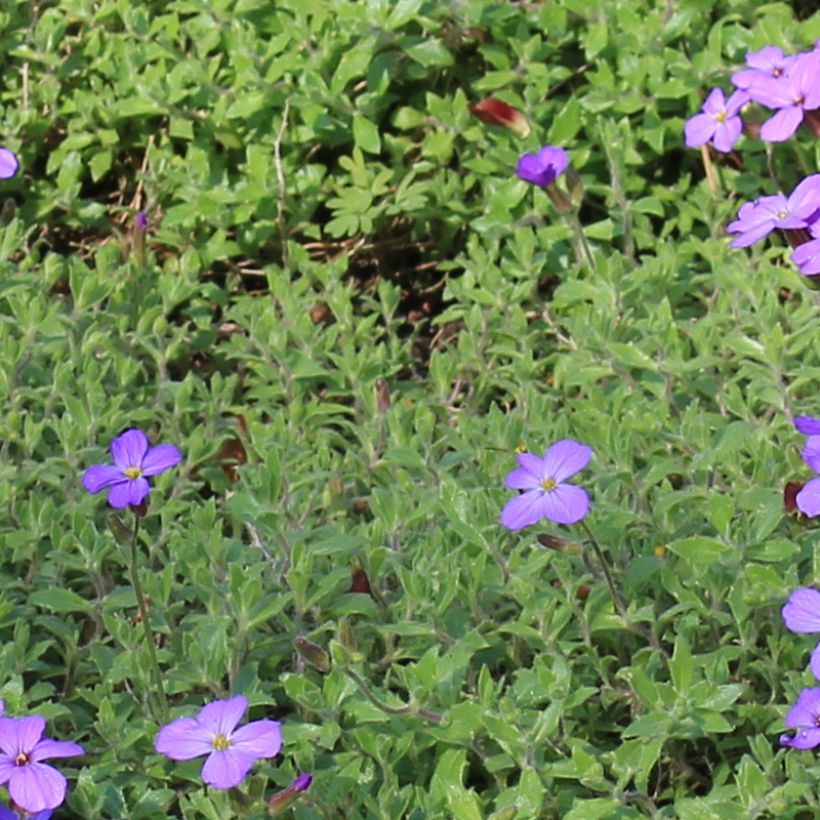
{"points": [[808, 499], [719, 121], [133, 460], [793, 93], [544, 167], [807, 258], [808, 425], [759, 218], [801, 613], [546, 496], [805, 717], [768, 62], [9, 164], [32, 785], [231, 751], [141, 221]]}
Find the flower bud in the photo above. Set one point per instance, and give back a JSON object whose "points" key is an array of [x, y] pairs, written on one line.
{"points": [[312, 653], [495, 112], [284, 799]]}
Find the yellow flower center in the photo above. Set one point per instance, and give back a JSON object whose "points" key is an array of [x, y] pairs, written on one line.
{"points": [[220, 743], [548, 484], [132, 472], [720, 117]]}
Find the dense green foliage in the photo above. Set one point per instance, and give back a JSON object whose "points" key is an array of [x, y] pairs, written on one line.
{"points": [[347, 291]]}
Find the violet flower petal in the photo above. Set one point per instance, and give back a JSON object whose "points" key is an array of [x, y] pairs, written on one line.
{"points": [[128, 449], [808, 499], [727, 134], [226, 769], [523, 510], [100, 476], [698, 130], [566, 504], [804, 739], [160, 458], [183, 739], [808, 425], [9, 164], [807, 259], [801, 613], [782, 125], [46, 749], [20, 734], [36, 786], [811, 453], [221, 716], [131, 491], [565, 458], [261, 738]]}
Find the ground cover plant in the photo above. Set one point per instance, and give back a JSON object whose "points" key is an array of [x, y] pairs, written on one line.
{"points": [[409, 409]]}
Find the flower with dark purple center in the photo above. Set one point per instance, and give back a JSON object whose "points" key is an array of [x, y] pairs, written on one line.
{"points": [[720, 121], [133, 462], [543, 168], [805, 717], [231, 751], [545, 493], [33, 785], [759, 218]]}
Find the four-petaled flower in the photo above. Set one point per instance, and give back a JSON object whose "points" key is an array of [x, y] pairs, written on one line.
{"points": [[768, 62], [759, 218], [805, 717], [133, 461], [720, 121], [32, 785], [231, 751], [546, 496], [544, 167]]}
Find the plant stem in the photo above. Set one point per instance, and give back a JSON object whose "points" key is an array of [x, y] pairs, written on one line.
{"points": [[620, 606], [149, 635], [435, 717], [580, 240]]}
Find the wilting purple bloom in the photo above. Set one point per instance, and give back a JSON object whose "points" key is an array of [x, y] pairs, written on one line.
{"points": [[719, 121], [231, 751], [9, 164], [133, 460], [8, 814], [807, 425], [793, 93], [141, 221], [759, 218], [807, 258], [546, 496], [805, 717], [32, 785], [808, 499], [544, 167], [768, 62]]}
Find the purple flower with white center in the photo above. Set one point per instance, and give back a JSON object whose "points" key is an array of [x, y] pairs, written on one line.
{"points": [[793, 93], [801, 613], [231, 751], [545, 493], [9, 164], [759, 218], [8, 814], [720, 121], [543, 168], [805, 717], [808, 425], [807, 257], [32, 785], [133, 461], [768, 62], [808, 499]]}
